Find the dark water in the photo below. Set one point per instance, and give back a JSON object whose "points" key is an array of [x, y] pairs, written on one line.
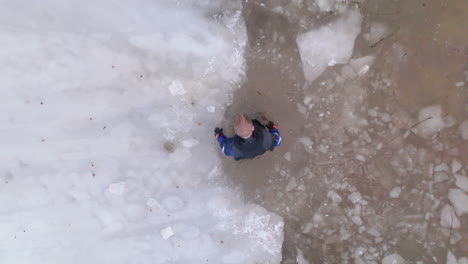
{"points": [[417, 63]]}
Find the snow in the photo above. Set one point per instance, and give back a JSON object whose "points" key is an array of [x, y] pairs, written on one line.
{"points": [[448, 218], [459, 200], [107, 122], [393, 259], [463, 130], [329, 44]]}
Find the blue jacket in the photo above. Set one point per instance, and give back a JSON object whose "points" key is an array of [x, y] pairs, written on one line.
{"points": [[262, 139]]}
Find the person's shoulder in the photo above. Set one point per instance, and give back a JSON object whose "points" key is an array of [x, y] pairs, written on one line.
{"points": [[257, 124]]}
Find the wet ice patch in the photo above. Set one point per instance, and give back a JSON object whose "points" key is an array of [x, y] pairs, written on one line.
{"points": [[329, 44]]}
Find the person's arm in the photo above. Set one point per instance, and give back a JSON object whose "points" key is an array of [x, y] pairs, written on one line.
{"points": [[275, 132], [224, 142]]}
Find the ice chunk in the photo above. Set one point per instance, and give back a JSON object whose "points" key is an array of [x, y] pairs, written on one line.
{"points": [[362, 65], [291, 184], [117, 188], [176, 88], [356, 220], [306, 141], [442, 167], [440, 176], [372, 112], [393, 259], [386, 118], [355, 197], [463, 260], [324, 5], [395, 193], [336, 198], [360, 158], [374, 232], [287, 156], [451, 259], [329, 43], [459, 84], [377, 32], [167, 232], [456, 166], [300, 258], [432, 121], [211, 109], [278, 10], [459, 200], [463, 129], [448, 218], [462, 182]]}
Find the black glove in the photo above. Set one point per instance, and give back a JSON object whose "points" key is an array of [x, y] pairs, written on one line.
{"points": [[218, 131], [270, 125]]}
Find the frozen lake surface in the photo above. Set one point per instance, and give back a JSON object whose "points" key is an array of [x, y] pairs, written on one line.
{"points": [[108, 110]]}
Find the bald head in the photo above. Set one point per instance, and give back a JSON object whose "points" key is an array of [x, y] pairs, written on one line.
{"points": [[243, 126]]}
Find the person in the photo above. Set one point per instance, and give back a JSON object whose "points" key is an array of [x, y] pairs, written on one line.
{"points": [[251, 139]]}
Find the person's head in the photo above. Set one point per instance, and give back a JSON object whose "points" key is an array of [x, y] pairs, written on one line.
{"points": [[243, 126]]}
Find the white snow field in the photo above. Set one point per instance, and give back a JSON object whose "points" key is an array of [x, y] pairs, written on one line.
{"points": [[107, 150]]}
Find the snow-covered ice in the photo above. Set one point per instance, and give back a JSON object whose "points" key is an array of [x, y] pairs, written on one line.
{"points": [[107, 116]]}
